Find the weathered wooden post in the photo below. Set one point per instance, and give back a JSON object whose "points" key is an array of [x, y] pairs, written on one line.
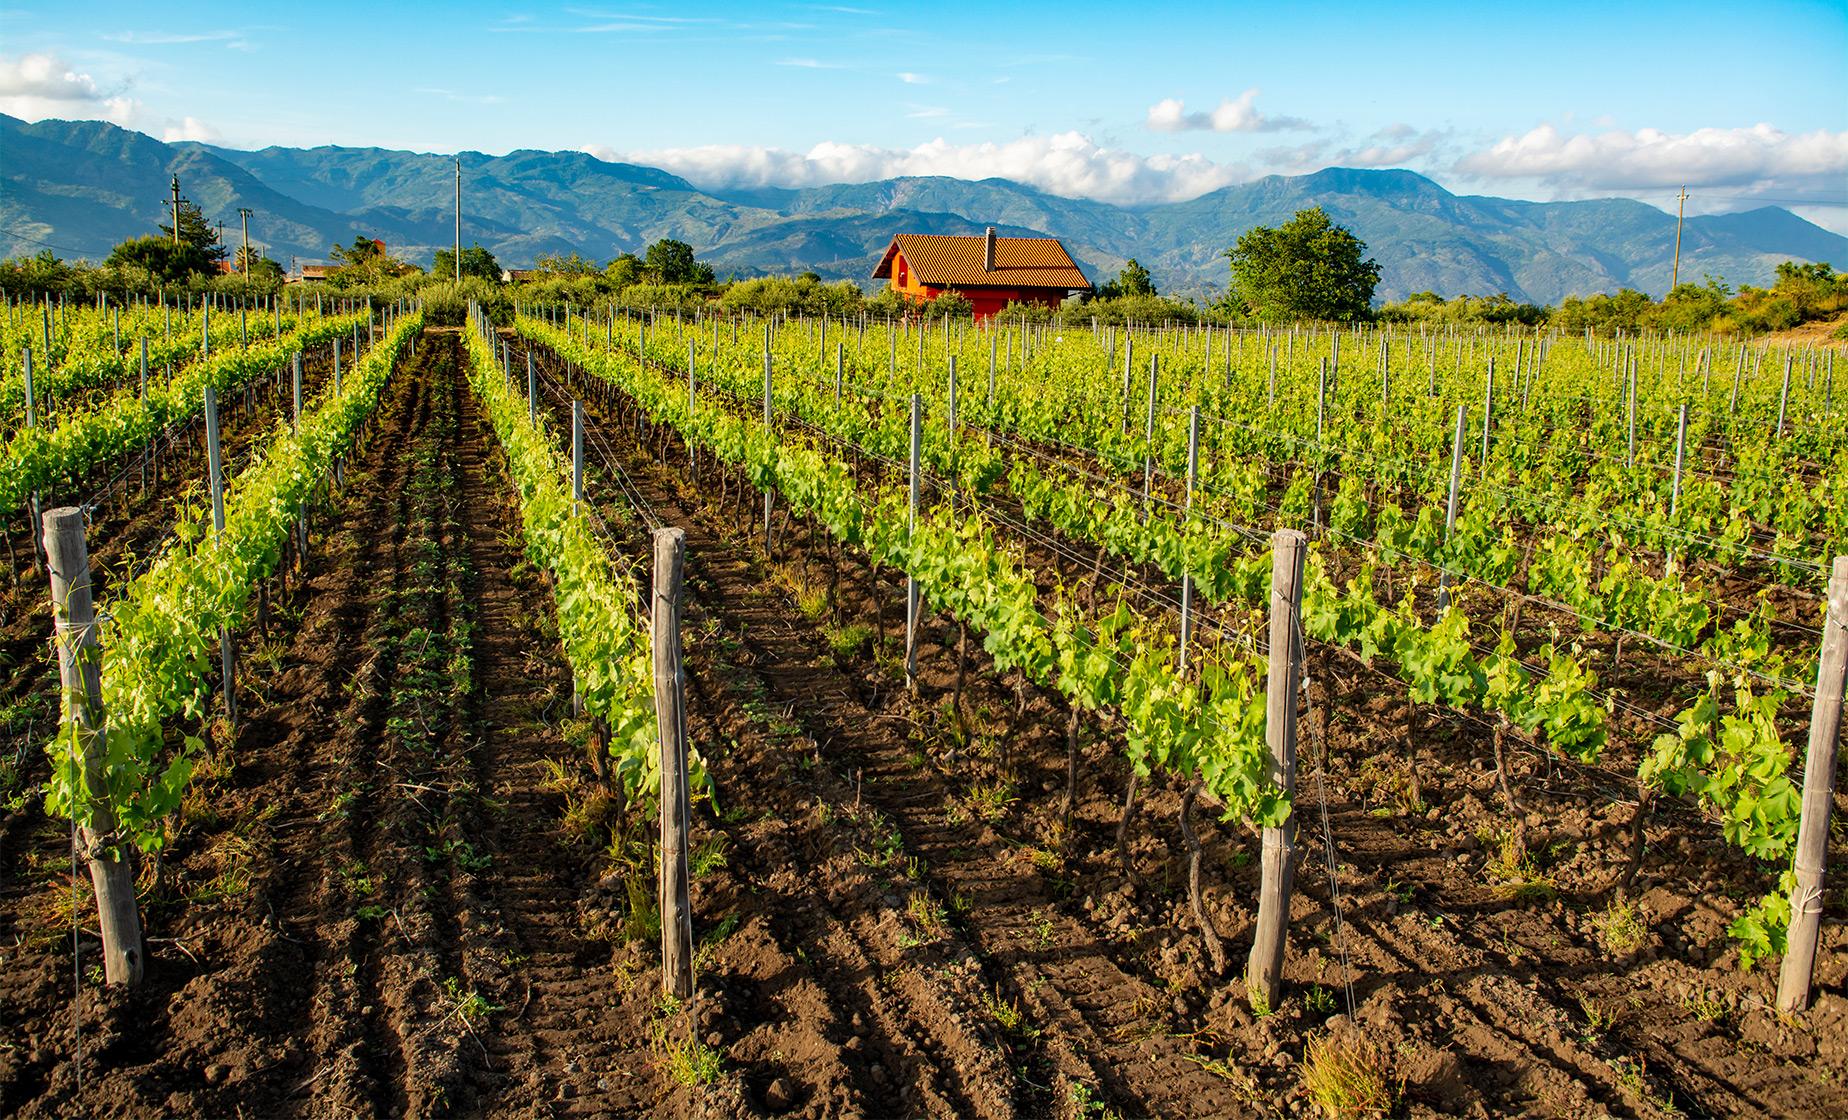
{"points": [[532, 391], [692, 451], [1783, 397], [911, 528], [1129, 352], [1187, 583], [769, 492], [1148, 439], [670, 545], [577, 455], [1681, 446], [1264, 970], [1450, 514], [1488, 412], [1630, 394], [991, 377], [80, 671], [296, 388], [227, 657], [1793, 981]]}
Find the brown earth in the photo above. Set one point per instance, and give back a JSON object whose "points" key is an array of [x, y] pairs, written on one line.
{"points": [[402, 892]]}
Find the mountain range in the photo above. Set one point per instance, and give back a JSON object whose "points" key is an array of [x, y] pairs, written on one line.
{"points": [[79, 187]]}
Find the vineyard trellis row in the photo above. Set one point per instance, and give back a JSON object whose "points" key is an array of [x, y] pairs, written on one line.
{"points": [[118, 775], [1724, 749]]}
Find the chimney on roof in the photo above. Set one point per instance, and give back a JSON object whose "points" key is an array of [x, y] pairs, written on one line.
{"points": [[988, 250]]}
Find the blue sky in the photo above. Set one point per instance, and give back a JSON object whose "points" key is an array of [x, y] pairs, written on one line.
{"points": [[1747, 104]]}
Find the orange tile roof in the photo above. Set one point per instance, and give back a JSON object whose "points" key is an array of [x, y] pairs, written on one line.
{"points": [[945, 261]]}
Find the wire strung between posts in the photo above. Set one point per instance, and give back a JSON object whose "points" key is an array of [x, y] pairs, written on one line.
{"points": [[1328, 834], [631, 493]]}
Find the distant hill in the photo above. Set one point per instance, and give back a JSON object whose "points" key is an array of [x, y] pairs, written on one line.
{"points": [[82, 186]]}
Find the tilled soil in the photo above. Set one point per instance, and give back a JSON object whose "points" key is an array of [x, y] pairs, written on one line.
{"points": [[402, 893]]}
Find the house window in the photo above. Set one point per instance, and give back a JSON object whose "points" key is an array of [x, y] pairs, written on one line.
{"points": [[901, 272]]}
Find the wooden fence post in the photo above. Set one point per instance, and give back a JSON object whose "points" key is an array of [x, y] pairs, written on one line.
{"points": [[1450, 510], [670, 546], [1264, 971], [1148, 438], [577, 455], [80, 669], [1187, 586], [1793, 981], [769, 491], [911, 528], [1783, 397], [227, 656]]}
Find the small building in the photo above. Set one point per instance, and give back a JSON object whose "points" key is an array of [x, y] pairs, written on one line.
{"points": [[519, 275], [989, 271], [311, 273]]}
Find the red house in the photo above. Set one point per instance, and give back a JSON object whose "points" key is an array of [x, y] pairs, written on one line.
{"points": [[989, 271]]}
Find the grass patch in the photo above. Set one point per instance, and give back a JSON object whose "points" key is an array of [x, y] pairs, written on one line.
{"points": [[1515, 874], [1345, 1079], [1620, 928]]}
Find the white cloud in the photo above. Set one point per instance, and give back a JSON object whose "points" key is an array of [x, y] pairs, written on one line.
{"points": [[1620, 160], [809, 64], [912, 79], [46, 76], [1066, 163], [192, 128], [1234, 114], [927, 112], [34, 87]]}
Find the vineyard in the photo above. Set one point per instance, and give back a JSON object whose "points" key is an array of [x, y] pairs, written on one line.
{"points": [[578, 711]]}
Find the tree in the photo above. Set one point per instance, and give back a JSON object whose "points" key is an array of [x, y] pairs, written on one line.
{"points": [[1132, 280], [625, 270], [672, 262], [1308, 268], [365, 262], [568, 265], [476, 261], [33, 275], [196, 232], [160, 258], [364, 251]]}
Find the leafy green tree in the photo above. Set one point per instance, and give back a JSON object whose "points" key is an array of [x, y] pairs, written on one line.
{"points": [[571, 266], [476, 261], [198, 233], [624, 271], [160, 258], [365, 262], [672, 262], [1603, 312], [45, 272], [1692, 307], [1308, 268], [1131, 280], [364, 252]]}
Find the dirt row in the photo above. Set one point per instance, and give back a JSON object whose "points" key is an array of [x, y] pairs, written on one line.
{"points": [[1496, 992], [131, 516], [370, 911], [402, 892]]}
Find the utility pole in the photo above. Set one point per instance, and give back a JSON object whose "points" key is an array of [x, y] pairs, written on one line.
{"points": [[459, 221], [244, 212], [1681, 209], [176, 211]]}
